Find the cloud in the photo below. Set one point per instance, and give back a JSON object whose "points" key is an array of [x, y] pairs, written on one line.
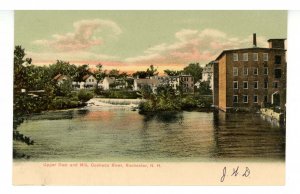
{"points": [[193, 46], [85, 35], [51, 57]]}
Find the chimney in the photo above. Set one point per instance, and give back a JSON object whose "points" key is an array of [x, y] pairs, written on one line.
{"points": [[254, 40]]}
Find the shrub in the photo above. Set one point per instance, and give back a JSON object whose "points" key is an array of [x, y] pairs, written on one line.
{"points": [[84, 95]]}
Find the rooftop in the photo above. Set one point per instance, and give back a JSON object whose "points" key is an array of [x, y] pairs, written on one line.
{"points": [[250, 48]]}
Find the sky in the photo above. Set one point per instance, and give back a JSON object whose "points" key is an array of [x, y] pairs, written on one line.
{"points": [[133, 40]]}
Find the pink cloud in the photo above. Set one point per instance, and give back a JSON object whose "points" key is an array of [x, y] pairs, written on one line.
{"points": [[85, 35], [193, 46]]}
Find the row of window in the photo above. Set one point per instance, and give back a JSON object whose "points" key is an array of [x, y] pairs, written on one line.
{"points": [[277, 72], [245, 99], [255, 85], [245, 57], [186, 78]]}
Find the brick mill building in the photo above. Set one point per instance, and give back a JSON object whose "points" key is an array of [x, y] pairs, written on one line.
{"points": [[250, 78]]}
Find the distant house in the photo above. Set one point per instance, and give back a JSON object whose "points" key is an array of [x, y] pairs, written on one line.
{"points": [[120, 84], [89, 81], [207, 73], [186, 82], [78, 85], [59, 78], [107, 81], [140, 83]]}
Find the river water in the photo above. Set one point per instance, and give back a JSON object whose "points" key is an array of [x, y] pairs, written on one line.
{"points": [[119, 134]]}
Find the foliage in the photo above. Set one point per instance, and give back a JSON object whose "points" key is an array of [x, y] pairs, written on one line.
{"points": [[64, 68], [145, 92], [140, 74], [99, 74], [114, 73], [172, 72], [195, 70], [61, 102], [64, 88], [204, 88], [151, 71], [84, 95], [123, 94], [167, 99]]}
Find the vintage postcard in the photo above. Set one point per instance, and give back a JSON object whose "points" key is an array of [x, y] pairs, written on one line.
{"points": [[149, 98]]}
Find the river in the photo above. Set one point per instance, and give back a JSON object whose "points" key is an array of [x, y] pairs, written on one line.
{"points": [[119, 134]]}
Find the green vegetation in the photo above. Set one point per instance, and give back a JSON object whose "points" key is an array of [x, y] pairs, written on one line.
{"points": [[151, 71], [84, 95], [122, 93], [167, 99], [193, 69]]}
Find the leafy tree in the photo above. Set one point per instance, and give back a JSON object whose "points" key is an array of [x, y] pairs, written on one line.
{"points": [[84, 95], [195, 70], [151, 71], [140, 74], [21, 69], [146, 92], [81, 71], [172, 72], [64, 68], [99, 74], [114, 73], [65, 88], [204, 88]]}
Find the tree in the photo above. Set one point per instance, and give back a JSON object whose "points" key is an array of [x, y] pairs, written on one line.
{"points": [[140, 74], [146, 92], [194, 70], [81, 71], [22, 103], [99, 74], [84, 95], [114, 73], [21, 69], [172, 72], [151, 71], [62, 67], [204, 88], [65, 88]]}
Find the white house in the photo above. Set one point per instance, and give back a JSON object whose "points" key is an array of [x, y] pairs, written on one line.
{"points": [[78, 85], [107, 81], [139, 83], [207, 74], [59, 78], [89, 81]]}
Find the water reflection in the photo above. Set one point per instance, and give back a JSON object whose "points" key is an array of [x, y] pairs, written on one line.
{"points": [[114, 135], [166, 117], [247, 136]]}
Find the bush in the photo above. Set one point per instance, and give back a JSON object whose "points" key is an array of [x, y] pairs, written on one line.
{"points": [[84, 95], [64, 103], [123, 94]]}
